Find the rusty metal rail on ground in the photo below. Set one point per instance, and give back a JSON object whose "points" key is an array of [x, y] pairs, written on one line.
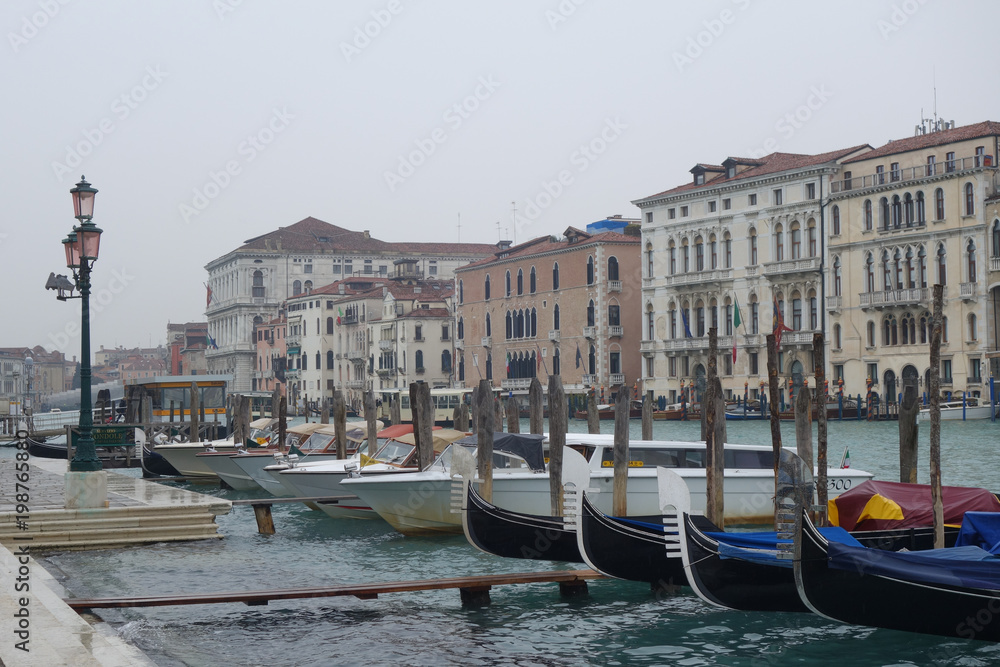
{"points": [[474, 590]]}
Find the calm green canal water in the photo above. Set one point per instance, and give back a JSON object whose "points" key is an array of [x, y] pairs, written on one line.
{"points": [[618, 623]]}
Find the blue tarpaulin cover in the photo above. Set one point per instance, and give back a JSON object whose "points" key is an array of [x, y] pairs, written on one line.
{"points": [[969, 566], [981, 529], [762, 547]]}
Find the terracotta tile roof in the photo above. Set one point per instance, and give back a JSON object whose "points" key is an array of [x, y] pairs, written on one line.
{"points": [[769, 164], [987, 128], [708, 167], [544, 244], [445, 289], [351, 286], [312, 235]]}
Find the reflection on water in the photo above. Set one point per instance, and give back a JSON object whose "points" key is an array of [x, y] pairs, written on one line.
{"points": [[617, 623]]}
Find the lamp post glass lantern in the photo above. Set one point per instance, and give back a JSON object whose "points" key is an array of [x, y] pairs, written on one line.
{"points": [[82, 247]]}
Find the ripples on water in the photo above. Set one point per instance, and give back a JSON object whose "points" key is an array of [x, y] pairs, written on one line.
{"points": [[618, 623]]}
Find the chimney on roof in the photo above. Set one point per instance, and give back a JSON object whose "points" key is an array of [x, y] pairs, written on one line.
{"points": [[366, 234], [503, 245], [340, 288]]}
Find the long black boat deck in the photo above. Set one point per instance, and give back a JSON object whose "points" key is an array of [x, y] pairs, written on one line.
{"points": [[371, 591]]}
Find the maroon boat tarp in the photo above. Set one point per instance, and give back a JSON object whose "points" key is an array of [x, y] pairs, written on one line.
{"points": [[883, 505]]}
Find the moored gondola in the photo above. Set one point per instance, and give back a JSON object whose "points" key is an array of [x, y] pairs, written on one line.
{"points": [[952, 592]]}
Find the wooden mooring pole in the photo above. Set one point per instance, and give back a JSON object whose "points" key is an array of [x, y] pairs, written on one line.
{"points": [[557, 442], [593, 417], [536, 412], [772, 392], [935, 410], [647, 416], [714, 439], [819, 371], [619, 487], [484, 430], [909, 409], [339, 422], [513, 416]]}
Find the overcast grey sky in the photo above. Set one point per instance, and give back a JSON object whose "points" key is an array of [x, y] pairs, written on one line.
{"points": [[206, 122]]}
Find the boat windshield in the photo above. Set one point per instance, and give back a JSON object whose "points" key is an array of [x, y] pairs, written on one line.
{"points": [[394, 451], [261, 436], [316, 441], [501, 460]]}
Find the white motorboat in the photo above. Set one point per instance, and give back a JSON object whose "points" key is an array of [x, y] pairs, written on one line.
{"points": [[951, 410], [320, 445], [184, 455], [420, 503], [322, 478]]}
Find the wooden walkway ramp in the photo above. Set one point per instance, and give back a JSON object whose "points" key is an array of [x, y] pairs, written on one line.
{"points": [[474, 590]]}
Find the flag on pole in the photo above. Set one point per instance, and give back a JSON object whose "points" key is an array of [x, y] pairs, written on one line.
{"points": [[340, 313], [579, 357], [845, 461], [508, 364], [684, 318], [208, 298], [778, 325], [737, 321]]}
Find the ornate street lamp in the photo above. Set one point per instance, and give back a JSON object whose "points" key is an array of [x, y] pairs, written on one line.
{"points": [[82, 247]]}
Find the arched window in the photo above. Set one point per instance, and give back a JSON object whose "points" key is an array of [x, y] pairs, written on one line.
{"points": [[489, 366], [520, 282], [870, 273], [489, 327], [555, 275], [555, 317], [612, 268], [942, 262], [909, 269], [713, 253], [461, 328], [886, 271], [329, 359], [699, 254], [973, 334], [258, 284], [835, 218], [700, 318], [889, 331], [531, 281], [796, 241], [319, 361], [811, 240], [686, 256], [897, 263], [307, 286], [796, 311], [921, 215], [509, 325], [837, 277], [813, 311], [939, 204], [996, 238], [486, 288], [590, 313], [590, 270], [922, 267], [836, 336], [329, 325], [871, 333], [753, 247], [925, 321], [556, 362], [418, 360], [897, 212], [944, 329], [592, 360], [868, 216], [650, 319], [970, 260], [446, 361], [779, 243], [296, 288], [970, 203], [507, 284], [904, 326], [908, 210], [534, 323], [883, 213], [727, 250], [461, 291]]}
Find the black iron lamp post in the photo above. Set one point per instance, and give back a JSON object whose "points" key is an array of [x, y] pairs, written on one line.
{"points": [[82, 247]]}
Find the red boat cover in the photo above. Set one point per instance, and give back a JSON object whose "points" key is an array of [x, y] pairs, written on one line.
{"points": [[882, 505]]}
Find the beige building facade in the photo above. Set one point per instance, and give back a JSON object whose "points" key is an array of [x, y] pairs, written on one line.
{"points": [[910, 214]]}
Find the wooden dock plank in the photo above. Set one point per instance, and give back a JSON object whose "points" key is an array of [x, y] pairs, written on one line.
{"points": [[362, 591]]}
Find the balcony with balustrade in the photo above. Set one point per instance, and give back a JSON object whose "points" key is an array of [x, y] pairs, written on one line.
{"points": [[554, 335], [590, 332], [515, 384], [615, 331], [487, 341], [696, 277], [614, 286], [647, 346], [804, 337], [834, 303], [682, 344], [967, 291], [386, 344], [897, 297], [616, 379], [912, 175], [788, 266], [995, 263], [589, 380], [357, 355], [355, 384]]}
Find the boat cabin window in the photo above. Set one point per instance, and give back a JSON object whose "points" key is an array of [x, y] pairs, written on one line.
{"points": [[586, 451], [394, 452], [749, 459], [650, 458]]}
